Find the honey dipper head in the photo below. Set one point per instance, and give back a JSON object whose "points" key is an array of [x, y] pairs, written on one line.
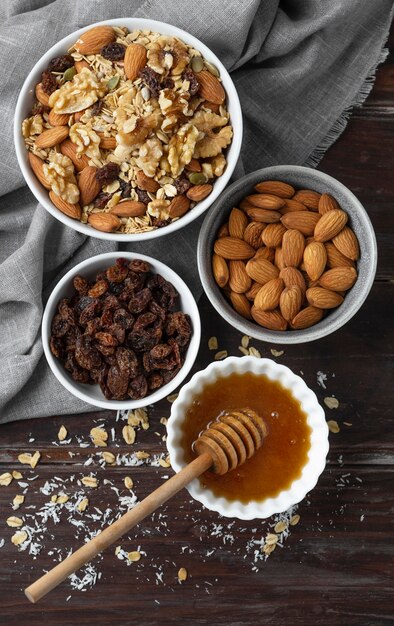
{"points": [[231, 439]]}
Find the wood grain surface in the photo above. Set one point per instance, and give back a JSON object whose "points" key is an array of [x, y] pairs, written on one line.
{"points": [[335, 567]]}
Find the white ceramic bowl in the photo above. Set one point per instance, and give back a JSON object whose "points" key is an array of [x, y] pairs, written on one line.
{"points": [[89, 268], [315, 418], [26, 98]]}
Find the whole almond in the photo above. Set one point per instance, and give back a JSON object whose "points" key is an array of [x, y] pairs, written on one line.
{"points": [[266, 201], [199, 192], [237, 223], [105, 222], [307, 317], [41, 95], [327, 203], [91, 41], [272, 235], [211, 88], [315, 259], [278, 260], [347, 243], [239, 280], [193, 166], [178, 206], [308, 197], [252, 292], [292, 205], [290, 302], [71, 210], [69, 148], [263, 215], [293, 244], [338, 278], [220, 270], [223, 231], [261, 270], [336, 258], [304, 221], [291, 276], [52, 137], [78, 115], [134, 60], [276, 188], [323, 298], [106, 143], [36, 165], [58, 119], [80, 65], [129, 208], [268, 296], [329, 225], [241, 304], [233, 249], [265, 253], [88, 184], [272, 320], [146, 183], [252, 233]]}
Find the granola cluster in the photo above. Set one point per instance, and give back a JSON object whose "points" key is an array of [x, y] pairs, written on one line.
{"points": [[145, 102]]}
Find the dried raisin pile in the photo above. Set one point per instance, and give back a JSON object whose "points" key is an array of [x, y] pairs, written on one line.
{"points": [[122, 331]]}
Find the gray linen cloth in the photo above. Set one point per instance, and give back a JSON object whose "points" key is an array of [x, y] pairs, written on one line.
{"points": [[298, 66]]}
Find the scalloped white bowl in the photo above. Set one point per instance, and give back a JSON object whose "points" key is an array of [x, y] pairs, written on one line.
{"points": [[317, 453]]}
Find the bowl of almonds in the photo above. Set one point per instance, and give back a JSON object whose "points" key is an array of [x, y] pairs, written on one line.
{"points": [[128, 129], [287, 254]]}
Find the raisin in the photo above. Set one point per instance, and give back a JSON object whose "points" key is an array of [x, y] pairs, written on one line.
{"points": [[140, 301], [160, 223], [86, 353], [93, 326], [139, 267], [151, 79], [60, 326], [178, 324], [125, 188], [143, 321], [98, 289], [107, 173], [79, 374], [124, 319], [190, 76], [168, 83], [102, 200], [56, 346], [81, 285], [182, 184], [116, 288], [138, 387], [96, 108], [61, 63], [158, 311], [145, 340], [118, 332], [90, 311], [142, 195], [39, 109], [170, 374], [106, 339], [117, 273], [48, 82], [127, 362], [106, 351], [113, 52], [117, 383]]}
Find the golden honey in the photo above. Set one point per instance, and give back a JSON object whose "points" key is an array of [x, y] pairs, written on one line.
{"points": [[284, 452]]}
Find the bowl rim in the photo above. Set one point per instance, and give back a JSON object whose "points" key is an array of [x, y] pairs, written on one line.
{"points": [[327, 325], [191, 354], [219, 184], [315, 418]]}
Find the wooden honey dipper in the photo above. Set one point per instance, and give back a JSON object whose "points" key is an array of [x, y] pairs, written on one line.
{"points": [[225, 444]]}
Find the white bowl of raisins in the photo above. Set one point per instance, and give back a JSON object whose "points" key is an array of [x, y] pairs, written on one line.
{"points": [[121, 330]]}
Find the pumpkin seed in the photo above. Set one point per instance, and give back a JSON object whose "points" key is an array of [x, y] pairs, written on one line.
{"points": [[197, 64], [212, 68], [113, 82], [69, 74], [198, 178]]}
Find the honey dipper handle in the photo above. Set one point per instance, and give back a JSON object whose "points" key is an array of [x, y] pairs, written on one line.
{"points": [[87, 552]]}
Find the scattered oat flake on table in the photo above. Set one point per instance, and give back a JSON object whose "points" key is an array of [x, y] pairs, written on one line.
{"points": [[222, 354], [172, 398], [134, 556], [14, 522], [254, 352], [62, 434], [165, 462], [243, 350], [82, 504], [276, 352], [141, 455], [89, 481], [17, 475], [294, 520], [268, 548], [331, 402], [333, 426], [19, 537], [271, 538], [17, 501], [280, 526], [5, 479], [245, 341], [182, 574], [213, 343], [99, 436], [128, 482], [28, 459], [108, 457], [128, 433]]}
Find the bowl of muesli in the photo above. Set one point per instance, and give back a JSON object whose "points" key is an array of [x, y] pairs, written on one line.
{"points": [[128, 129]]}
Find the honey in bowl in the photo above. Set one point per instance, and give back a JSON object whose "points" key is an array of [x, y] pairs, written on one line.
{"points": [[279, 461]]}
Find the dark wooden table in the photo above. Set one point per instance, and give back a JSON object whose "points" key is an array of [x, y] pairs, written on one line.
{"points": [[336, 566]]}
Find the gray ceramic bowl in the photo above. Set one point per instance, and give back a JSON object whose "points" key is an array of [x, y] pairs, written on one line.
{"points": [[303, 178]]}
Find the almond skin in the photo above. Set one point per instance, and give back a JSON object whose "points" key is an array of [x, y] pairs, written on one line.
{"points": [[88, 185], [199, 192], [252, 233], [315, 259], [79, 65], [239, 280], [220, 270], [237, 223], [41, 95], [146, 183], [290, 302], [71, 210], [272, 320], [276, 188], [91, 41], [106, 143], [266, 201], [304, 221], [193, 166], [261, 270], [336, 258], [134, 60], [291, 276], [211, 88], [57, 119], [327, 203], [69, 148], [268, 296], [347, 243], [329, 225], [52, 137], [323, 298], [307, 317], [105, 222], [309, 198], [273, 234], [233, 249], [338, 278], [36, 165], [263, 215], [129, 208], [178, 206], [293, 244], [241, 304]]}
